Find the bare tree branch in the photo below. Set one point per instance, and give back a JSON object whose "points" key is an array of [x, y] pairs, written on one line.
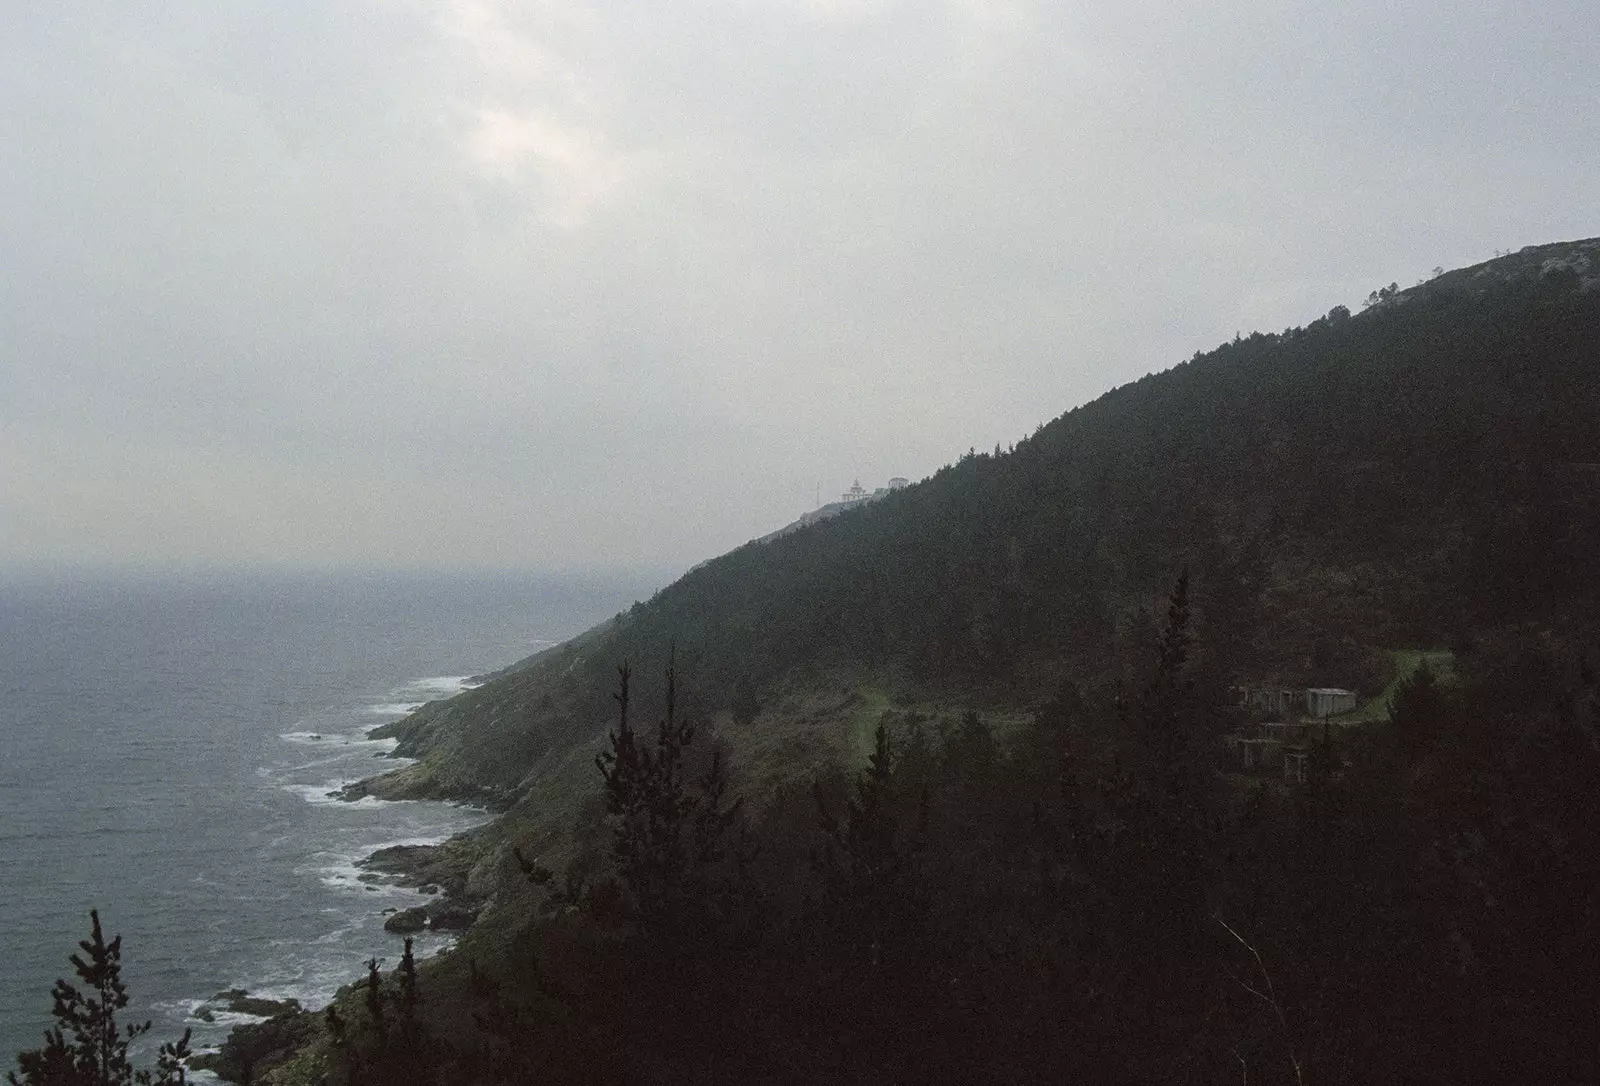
{"points": [[1270, 998]]}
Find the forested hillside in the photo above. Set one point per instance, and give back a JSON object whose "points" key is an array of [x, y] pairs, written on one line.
{"points": [[941, 789], [1364, 482]]}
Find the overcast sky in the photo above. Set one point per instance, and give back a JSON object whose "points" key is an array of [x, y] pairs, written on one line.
{"points": [[550, 284]]}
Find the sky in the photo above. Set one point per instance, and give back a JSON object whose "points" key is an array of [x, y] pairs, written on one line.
{"points": [[547, 284]]}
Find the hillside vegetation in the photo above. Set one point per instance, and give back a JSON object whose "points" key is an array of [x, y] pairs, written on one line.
{"points": [[988, 829], [1366, 482]]}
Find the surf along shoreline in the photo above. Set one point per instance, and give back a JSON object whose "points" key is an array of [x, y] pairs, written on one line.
{"points": [[267, 1031]]}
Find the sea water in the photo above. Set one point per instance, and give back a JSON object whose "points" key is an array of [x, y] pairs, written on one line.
{"points": [[167, 746]]}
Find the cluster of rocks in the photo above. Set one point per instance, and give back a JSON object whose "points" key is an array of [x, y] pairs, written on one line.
{"points": [[239, 1001], [440, 870], [254, 1046], [442, 915]]}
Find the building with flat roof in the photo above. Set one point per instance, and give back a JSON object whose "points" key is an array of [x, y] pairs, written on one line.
{"points": [[1329, 700]]}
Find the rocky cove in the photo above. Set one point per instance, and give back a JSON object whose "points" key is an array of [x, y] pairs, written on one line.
{"points": [[444, 872]]}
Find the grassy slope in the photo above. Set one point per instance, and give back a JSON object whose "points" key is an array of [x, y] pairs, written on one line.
{"points": [[1405, 663]]}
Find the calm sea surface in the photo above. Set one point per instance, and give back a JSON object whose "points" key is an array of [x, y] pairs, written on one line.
{"points": [[166, 747]]}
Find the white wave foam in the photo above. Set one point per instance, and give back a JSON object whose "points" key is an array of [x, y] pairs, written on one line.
{"points": [[345, 756], [439, 686], [409, 842], [221, 1019], [394, 708], [313, 973], [343, 870], [309, 737], [322, 795], [339, 873]]}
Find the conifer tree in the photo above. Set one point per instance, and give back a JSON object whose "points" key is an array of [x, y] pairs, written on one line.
{"points": [[1170, 686], [673, 838], [406, 973], [411, 1054], [1419, 708], [868, 862], [339, 1040], [87, 1046], [745, 703], [377, 1022]]}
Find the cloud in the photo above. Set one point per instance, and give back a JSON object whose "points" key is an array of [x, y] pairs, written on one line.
{"points": [[544, 280], [576, 172]]}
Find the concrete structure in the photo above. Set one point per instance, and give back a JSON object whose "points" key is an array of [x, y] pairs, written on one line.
{"points": [[1287, 733], [898, 483], [1275, 745], [1324, 701], [855, 493], [1268, 700], [1255, 753]]}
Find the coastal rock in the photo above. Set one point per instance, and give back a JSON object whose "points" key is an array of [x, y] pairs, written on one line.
{"points": [[444, 867], [253, 1049], [350, 792], [451, 917], [402, 859], [407, 921], [442, 915], [447, 871], [240, 1001]]}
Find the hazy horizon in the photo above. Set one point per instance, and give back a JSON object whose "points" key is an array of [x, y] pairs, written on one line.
{"points": [[500, 284], [221, 573]]}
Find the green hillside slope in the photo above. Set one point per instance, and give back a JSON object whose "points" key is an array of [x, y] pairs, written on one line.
{"points": [[1366, 481]]}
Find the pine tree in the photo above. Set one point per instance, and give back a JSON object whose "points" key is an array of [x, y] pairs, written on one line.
{"points": [[339, 1041], [648, 800], [1166, 696], [868, 864], [377, 1023], [97, 1052], [673, 838], [1419, 709], [406, 973], [745, 703], [411, 1056]]}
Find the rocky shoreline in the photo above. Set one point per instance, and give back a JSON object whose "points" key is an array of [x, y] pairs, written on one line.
{"points": [[284, 1028], [443, 870]]}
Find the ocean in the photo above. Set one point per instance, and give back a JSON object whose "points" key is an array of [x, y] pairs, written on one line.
{"points": [[166, 749]]}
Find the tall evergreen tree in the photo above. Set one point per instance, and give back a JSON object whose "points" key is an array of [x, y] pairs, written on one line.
{"points": [[1419, 709], [1169, 686], [87, 1046], [868, 863], [677, 842]]}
